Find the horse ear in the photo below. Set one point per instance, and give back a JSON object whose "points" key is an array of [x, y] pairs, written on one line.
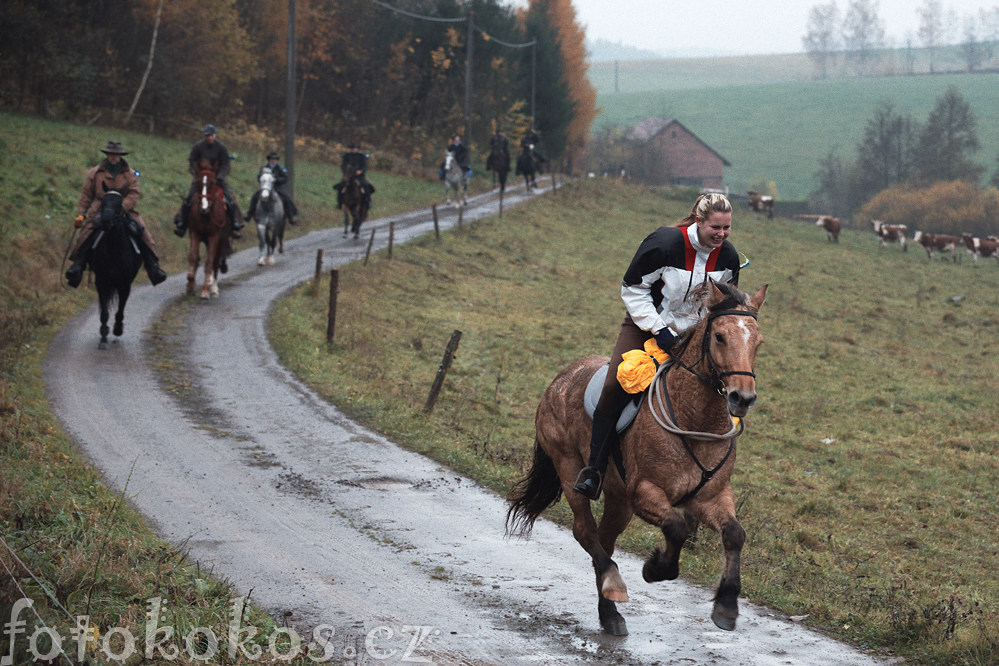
{"points": [[717, 295], [761, 296]]}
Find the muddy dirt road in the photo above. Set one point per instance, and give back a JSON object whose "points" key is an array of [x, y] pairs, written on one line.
{"points": [[333, 527]]}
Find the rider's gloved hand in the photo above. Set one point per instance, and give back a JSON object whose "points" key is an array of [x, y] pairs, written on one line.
{"points": [[665, 338], [78, 222]]}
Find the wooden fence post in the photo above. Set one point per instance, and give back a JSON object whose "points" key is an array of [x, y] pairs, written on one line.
{"points": [[449, 352], [331, 317], [367, 253], [319, 273], [437, 228], [501, 203], [391, 236], [461, 213]]}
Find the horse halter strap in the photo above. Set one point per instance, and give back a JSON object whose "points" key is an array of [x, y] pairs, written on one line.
{"points": [[716, 375]]}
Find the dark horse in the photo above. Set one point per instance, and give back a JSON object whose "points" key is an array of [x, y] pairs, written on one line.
{"points": [[115, 260], [528, 165], [208, 226], [499, 163], [678, 452], [355, 204]]}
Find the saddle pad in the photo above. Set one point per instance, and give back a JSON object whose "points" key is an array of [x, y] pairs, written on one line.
{"points": [[592, 395]]}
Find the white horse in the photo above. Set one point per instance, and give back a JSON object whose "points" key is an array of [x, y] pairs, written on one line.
{"points": [[270, 220], [455, 178]]}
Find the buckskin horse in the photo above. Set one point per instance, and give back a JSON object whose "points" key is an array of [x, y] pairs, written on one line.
{"points": [[115, 260], [207, 225], [355, 204], [678, 452], [270, 220]]}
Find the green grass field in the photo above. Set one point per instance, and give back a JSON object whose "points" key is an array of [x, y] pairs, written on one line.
{"points": [[777, 127]]}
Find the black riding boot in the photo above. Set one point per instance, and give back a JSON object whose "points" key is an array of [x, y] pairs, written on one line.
{"points": [[590, 479], [232, 210], [253, 207], [339, 198], [180, 219], [74, 274], [151, 263]]}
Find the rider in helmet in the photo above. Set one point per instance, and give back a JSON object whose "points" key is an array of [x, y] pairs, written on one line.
{"points": [[461, 154], [217, 154], [498, 143], [112, 172], [352, 162], [280, 180]]}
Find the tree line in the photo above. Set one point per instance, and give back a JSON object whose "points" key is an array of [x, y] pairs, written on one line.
{"points": [[363, 71], [898, 156], [854, 40]]}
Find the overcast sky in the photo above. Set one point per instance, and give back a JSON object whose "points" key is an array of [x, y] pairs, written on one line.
{"points": [[736, 27]]}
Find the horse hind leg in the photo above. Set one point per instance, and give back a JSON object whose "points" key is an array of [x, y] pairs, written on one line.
{"points": [[119, 316]]}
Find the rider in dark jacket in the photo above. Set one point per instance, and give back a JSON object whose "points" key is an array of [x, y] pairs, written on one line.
{"points": [[530, 143], [280, 180], [498, 143], [353, 162], [213, 150]]}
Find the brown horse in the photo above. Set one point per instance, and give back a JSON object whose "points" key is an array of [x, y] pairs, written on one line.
{"points": [[208, 225], [678, 452], [355, 204]]}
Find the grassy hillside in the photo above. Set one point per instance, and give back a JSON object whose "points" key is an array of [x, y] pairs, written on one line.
{"points": [[866, 478], [777, 124]]}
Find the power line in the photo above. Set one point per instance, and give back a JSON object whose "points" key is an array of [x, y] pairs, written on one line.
{"points": [[419, 16], [490, 38]]}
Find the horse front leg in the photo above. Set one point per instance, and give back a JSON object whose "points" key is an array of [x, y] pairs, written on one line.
{"points": [[103, 344], [193, 260], [718, 513], [617, 514], [119, 316], [210, 254], [263, 252], [652, 506]]}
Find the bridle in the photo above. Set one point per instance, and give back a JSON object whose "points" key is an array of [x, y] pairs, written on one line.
{"points": [[662, 409]]}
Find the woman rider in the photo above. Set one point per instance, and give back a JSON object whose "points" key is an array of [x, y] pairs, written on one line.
{"points": [[659, 292]]}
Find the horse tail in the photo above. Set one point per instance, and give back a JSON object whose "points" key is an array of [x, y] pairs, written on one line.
{"points": [[533, 494]]}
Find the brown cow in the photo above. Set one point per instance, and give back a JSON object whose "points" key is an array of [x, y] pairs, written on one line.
{"points": [[761, 203], [938, 242], [832, 225], [981, 247], [889, 233]]}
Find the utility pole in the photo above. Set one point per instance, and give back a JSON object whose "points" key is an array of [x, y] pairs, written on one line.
{"points": [[468, 79], [289, 111]]}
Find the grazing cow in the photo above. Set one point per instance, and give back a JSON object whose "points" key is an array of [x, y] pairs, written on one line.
{"points": [[938, 242], [832, 225], [889, 233], [981, 247], [761, 203]]}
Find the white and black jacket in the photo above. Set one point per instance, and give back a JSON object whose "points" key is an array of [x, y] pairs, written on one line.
{"points": [[668, 265]]}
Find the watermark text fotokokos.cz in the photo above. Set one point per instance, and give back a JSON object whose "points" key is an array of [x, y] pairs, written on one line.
{"points": [[161, 641]]}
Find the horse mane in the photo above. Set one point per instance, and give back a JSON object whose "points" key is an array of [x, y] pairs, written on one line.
{"points": [[734, 297]]}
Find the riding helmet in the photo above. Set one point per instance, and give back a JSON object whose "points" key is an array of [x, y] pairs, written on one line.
{"points": [[273, 156], [209, 129]]}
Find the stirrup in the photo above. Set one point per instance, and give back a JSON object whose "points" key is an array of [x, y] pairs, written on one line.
{"points": [[582, 487]]}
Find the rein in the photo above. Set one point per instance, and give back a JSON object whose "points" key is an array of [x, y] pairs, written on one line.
{"points": [[666, 417]]}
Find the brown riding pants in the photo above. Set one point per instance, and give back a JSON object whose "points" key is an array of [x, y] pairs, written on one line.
{"points": [[613, 397]]}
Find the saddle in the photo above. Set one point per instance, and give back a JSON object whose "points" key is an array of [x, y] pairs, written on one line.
{"points": [[592, 395]]}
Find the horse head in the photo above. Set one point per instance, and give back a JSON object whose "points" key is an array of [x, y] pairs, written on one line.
{"points": [[207, 185], [449, 162], [266, 184], [112, 208], [731, 338]]}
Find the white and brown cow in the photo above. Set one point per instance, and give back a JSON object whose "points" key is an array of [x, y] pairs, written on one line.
{"points": [[890, 233], [981, 247], [938, 242], [761, 203], [832, 225]]}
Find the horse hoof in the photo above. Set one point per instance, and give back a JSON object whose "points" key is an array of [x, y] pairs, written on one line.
{"points": [[270, 261], [260, 261], [119, 329], [722, 621], [103, 344], [615, 626]]}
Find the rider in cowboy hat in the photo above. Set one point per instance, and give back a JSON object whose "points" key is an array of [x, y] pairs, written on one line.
{"points": [[280, 179], [353, 162], [112, 172]]}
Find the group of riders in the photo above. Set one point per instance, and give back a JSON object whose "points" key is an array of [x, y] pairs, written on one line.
{"points": [[114, 172]]}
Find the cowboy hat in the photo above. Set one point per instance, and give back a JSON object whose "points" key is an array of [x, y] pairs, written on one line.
{"points": [[114, 148]]}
